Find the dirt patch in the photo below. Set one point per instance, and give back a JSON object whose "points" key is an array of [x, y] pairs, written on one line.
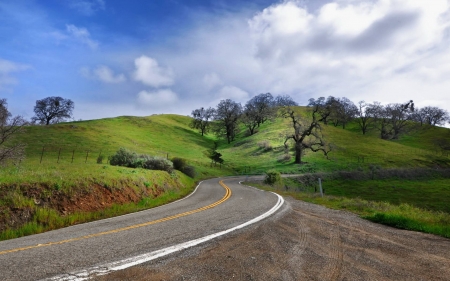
{"points": [[91, 199], [306, 242]]}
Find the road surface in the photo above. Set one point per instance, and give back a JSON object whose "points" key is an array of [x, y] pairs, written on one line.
{"points": [[212, 208]]}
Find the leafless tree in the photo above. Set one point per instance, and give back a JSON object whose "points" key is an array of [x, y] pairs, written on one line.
{"points": [[305, 132], [365, 116], [227, 117], [393, 119], [202, 119], [9, 128], [431, 115], [52, 110], [263, 107]]}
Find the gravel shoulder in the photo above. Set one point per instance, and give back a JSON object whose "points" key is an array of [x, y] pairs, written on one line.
{"points": [[306, 242]]}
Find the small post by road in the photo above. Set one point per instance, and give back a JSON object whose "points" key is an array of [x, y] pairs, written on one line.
{"points": [[73, 153], [320, 187], [42, 154], [87, 154]]}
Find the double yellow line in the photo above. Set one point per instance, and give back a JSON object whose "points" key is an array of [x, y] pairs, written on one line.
{"points": [[224, 198]]}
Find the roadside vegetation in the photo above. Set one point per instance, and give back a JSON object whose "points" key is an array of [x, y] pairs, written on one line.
{"points": [[141, 162]]}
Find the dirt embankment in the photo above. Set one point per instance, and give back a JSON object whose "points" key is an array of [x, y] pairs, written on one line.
{"points": [[91, 199], [306, 242]]}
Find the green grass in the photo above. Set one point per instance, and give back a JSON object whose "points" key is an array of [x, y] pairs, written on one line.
{"points": [[404, 216], [63, 158]]}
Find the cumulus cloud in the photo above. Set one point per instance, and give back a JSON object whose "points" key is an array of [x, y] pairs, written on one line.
{"points": [[82, 35], [234, 93], [157, 98], [6, 69], [87, 7], [150, 73], [211, 80], [103, 73]]}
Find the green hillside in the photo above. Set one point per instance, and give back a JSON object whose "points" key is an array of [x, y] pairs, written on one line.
{"points": [[69, 162]]}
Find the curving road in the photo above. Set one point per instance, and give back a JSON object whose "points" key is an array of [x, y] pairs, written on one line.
{"points": [[71, 253]]}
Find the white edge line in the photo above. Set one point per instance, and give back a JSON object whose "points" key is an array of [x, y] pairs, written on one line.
{"points": [[119, 265]]}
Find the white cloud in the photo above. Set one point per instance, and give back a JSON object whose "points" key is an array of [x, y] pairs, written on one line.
{"points": [[234, 93], [6, 69], [81, 34], [87, 7], [150, 73], [162, 97], [105, 74], [102, 73]]}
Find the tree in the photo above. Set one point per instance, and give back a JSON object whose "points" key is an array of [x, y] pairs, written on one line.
{"points": [[346, 111], [365, 116], [326, 108], [214, 155], [284, 101], [202, 119], [9, 128], [227, 116], [52, 110], [250, 117], [393, 119], [263, 108], [306, 133], [431, 115]]}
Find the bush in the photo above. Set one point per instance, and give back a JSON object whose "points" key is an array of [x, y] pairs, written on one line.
{"points": [[158, 163], [189, 171], [179, 163], [123, 157], [272, 177], [100, 159], [265, 145]]}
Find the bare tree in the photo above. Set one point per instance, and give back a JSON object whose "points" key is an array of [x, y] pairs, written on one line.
{"points": [[52, 110], [9, 128], [327, 108], [346, 111], [431, 115], [285, 100], [263, 107], [202, 119], [250, 117], [305, 132], [227, 116], [393, 119], [365, 116]]}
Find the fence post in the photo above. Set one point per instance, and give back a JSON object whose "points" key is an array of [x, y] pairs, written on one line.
{"points": [[73, 153], [42, 154], [320, 187], [87, 154]]}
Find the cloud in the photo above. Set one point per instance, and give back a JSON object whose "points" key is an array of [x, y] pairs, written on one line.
{"points": [[150, 73], [234, 93], [6, 69], [82, 35], [87, 8], [157, 98], [211, 80], [103, 73]]}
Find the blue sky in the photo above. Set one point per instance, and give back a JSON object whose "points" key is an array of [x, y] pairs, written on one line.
{"points": [[114, 58]]}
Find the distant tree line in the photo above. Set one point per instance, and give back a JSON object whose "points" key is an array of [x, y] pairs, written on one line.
{"points": [[390, 120]]}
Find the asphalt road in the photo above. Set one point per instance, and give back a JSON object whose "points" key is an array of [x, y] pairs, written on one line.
{"points": [[209, 210]]}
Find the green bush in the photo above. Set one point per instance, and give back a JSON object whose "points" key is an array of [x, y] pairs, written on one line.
{"points": [[124, 157], [272, 177], [158, 163], [179, 163], [189, 171]]}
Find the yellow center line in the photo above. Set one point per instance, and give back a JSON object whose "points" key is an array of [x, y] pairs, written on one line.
{"points": [[224, 198]]}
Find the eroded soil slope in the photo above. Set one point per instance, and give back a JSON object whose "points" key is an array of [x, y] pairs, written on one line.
{"points": [[306, 242]]}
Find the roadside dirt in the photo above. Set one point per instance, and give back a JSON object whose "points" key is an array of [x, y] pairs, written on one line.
{"points": [[90, 199], [306, 242]]}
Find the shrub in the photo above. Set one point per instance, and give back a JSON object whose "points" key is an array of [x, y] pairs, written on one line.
{"points": [[272, 177], [158, 163], [265, 145], [123, 157], [179, 163], [189, 171]]}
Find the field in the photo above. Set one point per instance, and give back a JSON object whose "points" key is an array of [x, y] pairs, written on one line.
{"points": [[69, 161]]}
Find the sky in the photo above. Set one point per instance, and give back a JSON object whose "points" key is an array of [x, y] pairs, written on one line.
{"points": [[140, 57]]}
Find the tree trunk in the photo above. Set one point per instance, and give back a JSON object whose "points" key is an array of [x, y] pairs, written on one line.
{"points": [[298, 153]]}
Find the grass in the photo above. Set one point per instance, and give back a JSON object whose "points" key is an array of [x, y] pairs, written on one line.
{"points": [[404, 215], [63, 158]]}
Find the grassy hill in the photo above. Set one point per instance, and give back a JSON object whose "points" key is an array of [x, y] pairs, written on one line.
{"points": [[63, 163]]}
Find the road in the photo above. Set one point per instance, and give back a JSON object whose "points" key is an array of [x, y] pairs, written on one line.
{"points": [[212, 208]]}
